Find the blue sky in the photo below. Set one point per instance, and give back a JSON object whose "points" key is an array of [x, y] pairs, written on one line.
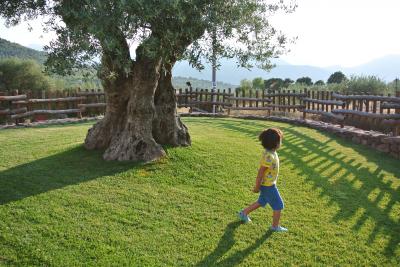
{"points": [[330, 32]]}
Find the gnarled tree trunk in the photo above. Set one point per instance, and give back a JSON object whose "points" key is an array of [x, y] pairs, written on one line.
{"points": [[126, 130], [141, 107], [168, 129]]}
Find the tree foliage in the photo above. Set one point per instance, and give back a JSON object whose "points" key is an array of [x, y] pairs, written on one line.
{"points": [[169, 29], [337, 77], [304, 80], [258, 83], [245, 85], [394, 86], [366, 84], [319, 82], [274, 83], [287, 82], [22, 75]]}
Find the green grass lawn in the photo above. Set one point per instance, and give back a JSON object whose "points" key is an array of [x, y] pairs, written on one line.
{"points": [[61, 205]]}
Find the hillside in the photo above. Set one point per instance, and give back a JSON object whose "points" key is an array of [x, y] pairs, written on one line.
{"points": [[9, 49], [387, 68]]}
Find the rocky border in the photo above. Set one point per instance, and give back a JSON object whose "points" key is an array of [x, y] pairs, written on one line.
{"points": [[381, 142]]}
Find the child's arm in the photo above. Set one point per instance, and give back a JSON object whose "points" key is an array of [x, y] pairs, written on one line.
{"points": [[259, 178]]}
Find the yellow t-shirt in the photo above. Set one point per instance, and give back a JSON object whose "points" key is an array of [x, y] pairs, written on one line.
{"points": [[270, 160]]}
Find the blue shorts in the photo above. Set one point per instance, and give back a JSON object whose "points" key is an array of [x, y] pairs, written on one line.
{"points": [[270, 195]]}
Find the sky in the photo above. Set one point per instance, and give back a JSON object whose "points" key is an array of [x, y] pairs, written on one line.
{"points": [[343, 33]]}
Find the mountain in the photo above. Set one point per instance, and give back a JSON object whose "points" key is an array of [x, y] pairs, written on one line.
{"points": [[9, 49], [230, 73], [387, 68]]}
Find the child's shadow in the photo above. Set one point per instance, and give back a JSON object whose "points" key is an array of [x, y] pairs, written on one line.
{"points": [[226, 243]]}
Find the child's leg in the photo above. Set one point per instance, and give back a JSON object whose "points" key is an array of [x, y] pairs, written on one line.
{"points": [[252, 207], [276, 215]]}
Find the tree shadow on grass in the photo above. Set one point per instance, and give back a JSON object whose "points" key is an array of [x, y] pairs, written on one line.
{"points": [[70, 167], [226, 243], [344, 180]]}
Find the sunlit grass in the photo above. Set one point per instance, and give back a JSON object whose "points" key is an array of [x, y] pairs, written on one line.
{"points": [[63, 205]]}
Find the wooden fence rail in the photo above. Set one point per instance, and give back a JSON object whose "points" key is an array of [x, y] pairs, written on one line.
{"points": [[372, 112], [21, 106]]}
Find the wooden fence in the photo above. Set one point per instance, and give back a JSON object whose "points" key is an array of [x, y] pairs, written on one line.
{"points": [[370, 112], [45, 105]]}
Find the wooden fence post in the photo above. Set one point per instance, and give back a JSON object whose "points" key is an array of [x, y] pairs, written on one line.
{"points": [[301, 102], [257, 96], [273, 98], [229, 107], [396, 130], [243, 101], [10, 106], [191, 98], [79, 102]]}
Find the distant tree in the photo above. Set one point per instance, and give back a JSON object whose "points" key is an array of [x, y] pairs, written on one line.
{"points": [[245, 85], [337, 77], [394, 86], [287, 82], [274, 83], [304, 80], [258, 83], [22, 75], [366, 84], [319, 82]]}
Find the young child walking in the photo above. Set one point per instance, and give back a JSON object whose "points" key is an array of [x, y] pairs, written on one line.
{"points": [[267, 177]]}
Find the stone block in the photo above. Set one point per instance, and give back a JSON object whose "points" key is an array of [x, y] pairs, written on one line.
{"points": [[364, 142], [394, 147], [383, 148], [391, 140]]}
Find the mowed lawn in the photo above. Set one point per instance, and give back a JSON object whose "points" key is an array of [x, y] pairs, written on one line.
{"points": [[61, 205]]}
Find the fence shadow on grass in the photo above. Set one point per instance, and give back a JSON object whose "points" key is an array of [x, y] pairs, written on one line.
{"points": [[70, 167], [226, 243], [353, 182]]}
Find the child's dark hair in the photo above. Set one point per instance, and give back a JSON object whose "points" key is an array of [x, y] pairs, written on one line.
{"points": [[271, 138]]}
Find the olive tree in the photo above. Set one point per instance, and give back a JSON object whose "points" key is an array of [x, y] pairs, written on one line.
{"points": [[337, 77], [141, 113]]}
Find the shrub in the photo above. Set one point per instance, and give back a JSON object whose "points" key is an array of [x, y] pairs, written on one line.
{"points": [[337, 77], [366, 84], [22, 75], [304, 80]]}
